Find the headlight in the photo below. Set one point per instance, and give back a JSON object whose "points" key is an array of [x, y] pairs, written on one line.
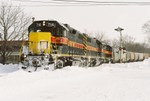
{"points": [[46, 56], [25, 56]]}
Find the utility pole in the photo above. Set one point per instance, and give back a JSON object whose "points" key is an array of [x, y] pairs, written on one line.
{"points": [[0, 36], [119, 29]]}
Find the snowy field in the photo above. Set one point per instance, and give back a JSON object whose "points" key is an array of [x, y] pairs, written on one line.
{"points": [[108, 82]]}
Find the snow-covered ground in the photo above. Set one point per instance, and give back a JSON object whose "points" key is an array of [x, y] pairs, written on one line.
{"points": [[108, 82]]}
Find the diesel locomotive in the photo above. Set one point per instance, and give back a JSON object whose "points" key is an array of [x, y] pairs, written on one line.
{"points": [[51, 42]]}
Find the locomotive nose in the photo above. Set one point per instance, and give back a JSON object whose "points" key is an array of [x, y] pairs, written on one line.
{"points": [[39, 42]]}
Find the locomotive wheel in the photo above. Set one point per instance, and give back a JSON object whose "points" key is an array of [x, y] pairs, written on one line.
{"points": [[68, 63], [93, 63], [83, 63], [59, 64]]}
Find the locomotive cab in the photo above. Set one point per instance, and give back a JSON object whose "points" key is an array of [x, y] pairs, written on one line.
{"points": [[43, 34]]}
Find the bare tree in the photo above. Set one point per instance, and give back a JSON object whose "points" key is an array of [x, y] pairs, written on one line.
{"points": [[130, 45], [115, 43], [101, 37], [13, 26], [146, 29], [127, 42]]}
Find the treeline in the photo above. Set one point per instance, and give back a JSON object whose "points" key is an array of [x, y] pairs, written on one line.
{"points": [[127, 41], [130, 45], [137, 47]]}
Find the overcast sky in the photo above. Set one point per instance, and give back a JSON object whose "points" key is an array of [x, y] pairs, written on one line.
{"points": [[93, 18]]}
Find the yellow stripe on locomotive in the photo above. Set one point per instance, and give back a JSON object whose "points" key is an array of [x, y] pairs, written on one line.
{"points": [[39, 42]]}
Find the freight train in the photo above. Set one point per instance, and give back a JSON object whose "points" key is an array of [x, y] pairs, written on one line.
{"points": [[51, 42]]}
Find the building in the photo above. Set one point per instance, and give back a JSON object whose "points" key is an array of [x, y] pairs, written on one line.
{"points": [[14, 48]]}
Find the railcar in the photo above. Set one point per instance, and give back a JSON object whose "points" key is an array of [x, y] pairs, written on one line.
{"points": [[54, 42], [146, 55], [128, 56], [120, 55], [141, 57], [132, 57], [136, 56], [123, 56], [116, 56]]}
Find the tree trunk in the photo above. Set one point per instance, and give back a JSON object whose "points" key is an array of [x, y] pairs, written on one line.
{"points": [[3, 59]]}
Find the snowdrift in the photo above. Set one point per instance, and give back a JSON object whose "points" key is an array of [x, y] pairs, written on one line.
{"points": [[108, 82]]}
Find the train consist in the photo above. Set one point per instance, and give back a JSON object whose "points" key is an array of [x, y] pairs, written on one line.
{"points": [[53, 42], [127, 56]]}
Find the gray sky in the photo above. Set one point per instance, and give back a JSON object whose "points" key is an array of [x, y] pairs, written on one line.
{"points": [[93, 18]]}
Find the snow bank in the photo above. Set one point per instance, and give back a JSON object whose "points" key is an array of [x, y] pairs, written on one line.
{"points": [[108, 82], [8, 68]]}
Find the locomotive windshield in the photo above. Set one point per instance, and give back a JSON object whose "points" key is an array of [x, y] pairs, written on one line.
{"points": [[47, 26]]}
